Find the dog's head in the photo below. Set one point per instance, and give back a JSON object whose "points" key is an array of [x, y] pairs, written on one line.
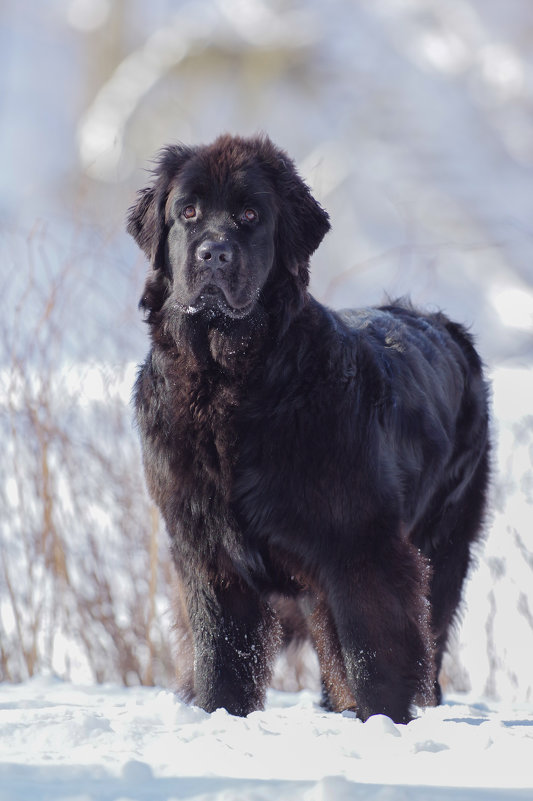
{"points": [[219, 221]]}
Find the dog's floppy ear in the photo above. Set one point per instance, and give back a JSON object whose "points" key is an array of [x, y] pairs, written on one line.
{"points": [[302, 222], [144, 221], [146, 218]]}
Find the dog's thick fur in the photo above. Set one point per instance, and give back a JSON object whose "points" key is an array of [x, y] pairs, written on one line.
{"points": [[338, 459]]}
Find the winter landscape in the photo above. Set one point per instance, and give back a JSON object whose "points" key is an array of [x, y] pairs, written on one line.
{"points": [[86, 742], [413, 123], [105, 743]]}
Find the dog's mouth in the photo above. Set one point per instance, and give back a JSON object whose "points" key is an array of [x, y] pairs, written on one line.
{"points": [[213, 300]]}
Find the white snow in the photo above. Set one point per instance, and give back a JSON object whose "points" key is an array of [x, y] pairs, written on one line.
{"points": [[78, 743], [493, 646]]}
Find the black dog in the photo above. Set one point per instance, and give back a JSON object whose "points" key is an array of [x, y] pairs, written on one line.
{"points": [[339, 459]]}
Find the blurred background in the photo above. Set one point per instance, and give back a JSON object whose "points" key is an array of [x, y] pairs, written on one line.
{"points": [[412, 121]]}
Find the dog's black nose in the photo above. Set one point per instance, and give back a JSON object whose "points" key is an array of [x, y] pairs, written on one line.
{"points": [[215, 254]]}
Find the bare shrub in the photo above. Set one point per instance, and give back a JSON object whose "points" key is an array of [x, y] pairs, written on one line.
{"points": [[83, 568]]}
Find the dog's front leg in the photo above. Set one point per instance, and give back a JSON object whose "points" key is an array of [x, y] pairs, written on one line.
{"points": [[382, 624], [233, 633]]}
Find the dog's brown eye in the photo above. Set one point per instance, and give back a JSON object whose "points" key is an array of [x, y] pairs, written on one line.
{"points": [[249, 215], [189, 212]]}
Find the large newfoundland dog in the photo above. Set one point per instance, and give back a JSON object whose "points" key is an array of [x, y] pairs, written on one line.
{"points": [[335, 459]]}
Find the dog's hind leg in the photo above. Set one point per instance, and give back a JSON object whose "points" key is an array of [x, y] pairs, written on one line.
{"points": [[445, 536], [336, 693]]}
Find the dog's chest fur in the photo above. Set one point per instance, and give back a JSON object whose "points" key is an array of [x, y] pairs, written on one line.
{"points": [[197, 411]]}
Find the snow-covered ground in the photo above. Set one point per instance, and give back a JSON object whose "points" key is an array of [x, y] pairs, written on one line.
{"points": [[78, 743]]}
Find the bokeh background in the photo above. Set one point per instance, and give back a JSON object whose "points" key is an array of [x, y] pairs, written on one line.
{"points": [[412, 120]]}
